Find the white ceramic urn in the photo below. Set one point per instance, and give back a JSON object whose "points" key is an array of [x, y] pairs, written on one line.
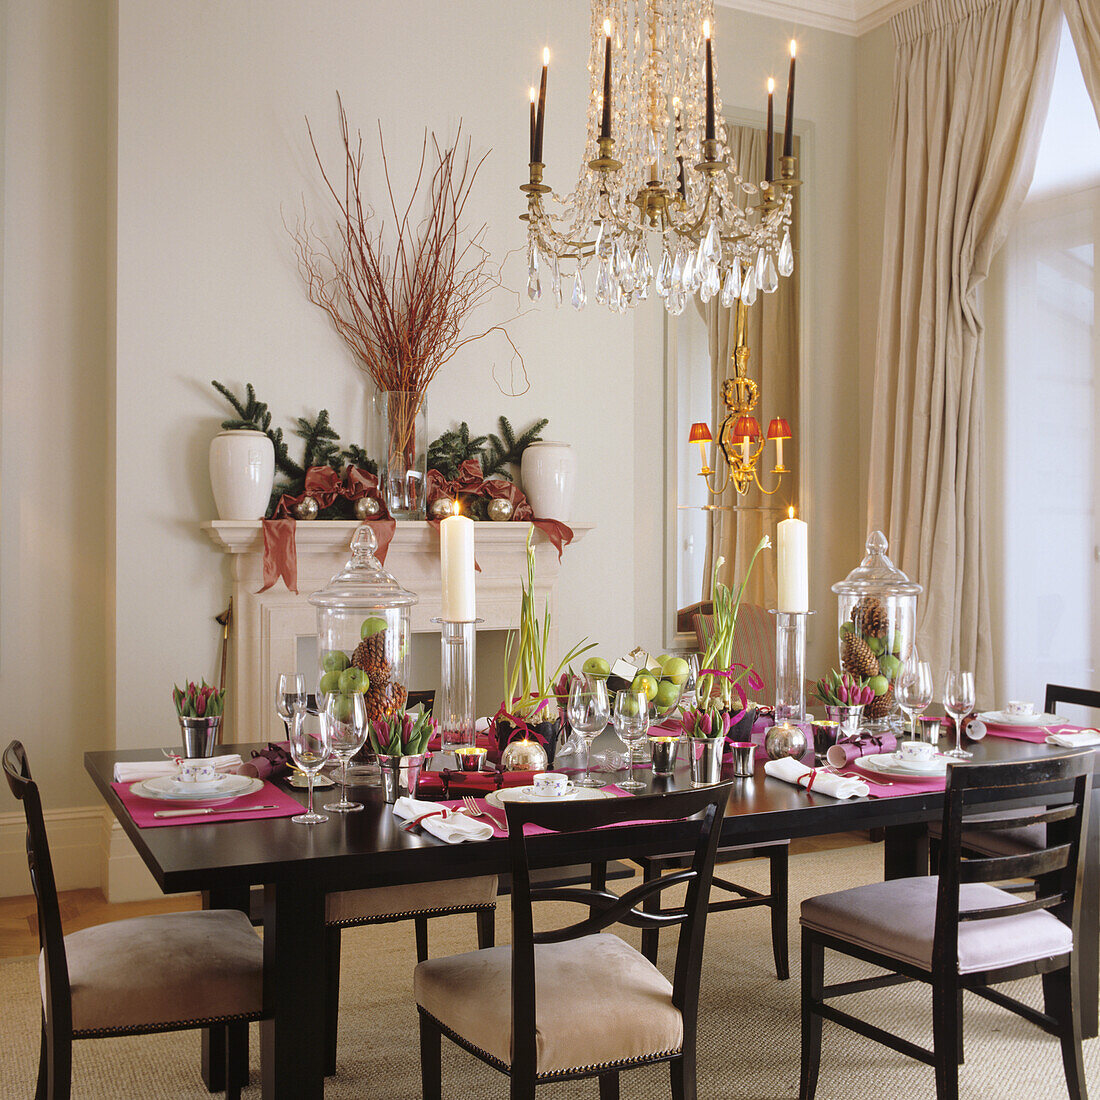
{"points": [[242, 472], [549, 474]]}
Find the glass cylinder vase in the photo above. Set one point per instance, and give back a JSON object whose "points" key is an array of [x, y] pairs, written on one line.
{"points": [[403, 451], [790, 665]]}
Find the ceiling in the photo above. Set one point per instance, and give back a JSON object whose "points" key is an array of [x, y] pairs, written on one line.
{"points": [[853, 17]]}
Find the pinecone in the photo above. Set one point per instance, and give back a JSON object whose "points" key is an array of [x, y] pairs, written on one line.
{"points": [[870, 617], [857, 658], [881, 705], [371, 657], [385, 700]]}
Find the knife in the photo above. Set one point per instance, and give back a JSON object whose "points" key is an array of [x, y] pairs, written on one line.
{"points": [[209, 810]]}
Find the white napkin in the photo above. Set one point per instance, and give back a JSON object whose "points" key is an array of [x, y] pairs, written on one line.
{"points": [[453, 828], [133, 771], [791, 771], [1074, 740]]}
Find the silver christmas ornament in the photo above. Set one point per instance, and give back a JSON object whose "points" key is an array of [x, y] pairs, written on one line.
{"points": [[500, 510], [523, 756], [306, 508], [367, 508], [442, 508], [785, 740]]}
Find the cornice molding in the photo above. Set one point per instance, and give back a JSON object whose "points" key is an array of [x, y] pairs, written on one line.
{"points": [[851, 17]]}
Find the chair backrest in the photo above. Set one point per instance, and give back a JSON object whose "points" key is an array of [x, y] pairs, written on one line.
{"points": [[605, 907], [1054, 791], [17, 771], [753, 645], [1076, 697]]}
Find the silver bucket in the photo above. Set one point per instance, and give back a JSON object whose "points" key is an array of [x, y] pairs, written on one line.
{"points": [[200, 736], [706, 760]]}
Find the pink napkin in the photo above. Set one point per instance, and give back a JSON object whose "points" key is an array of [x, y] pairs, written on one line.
{"points": [[142, 809]]}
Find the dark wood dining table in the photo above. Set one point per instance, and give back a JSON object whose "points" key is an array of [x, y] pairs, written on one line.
{"points": [[297, 865]]}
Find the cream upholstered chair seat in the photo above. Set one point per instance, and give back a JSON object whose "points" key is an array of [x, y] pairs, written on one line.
{"points": [[396, 902], [598, 1002], [898, 918], [160, 972]]}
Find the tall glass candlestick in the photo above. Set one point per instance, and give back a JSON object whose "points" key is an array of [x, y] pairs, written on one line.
{"points": [[454, 706], [790, 665]]}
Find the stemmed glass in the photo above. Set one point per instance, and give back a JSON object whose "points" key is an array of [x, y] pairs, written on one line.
{"points": [[913, 689], [588, 712], [958, 701], [309, 747], [291, 689], [630, 716], [345, 715]]}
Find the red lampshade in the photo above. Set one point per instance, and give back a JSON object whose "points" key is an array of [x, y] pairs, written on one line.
{"points": [[779, 429], [746, 428], [700, 433]]}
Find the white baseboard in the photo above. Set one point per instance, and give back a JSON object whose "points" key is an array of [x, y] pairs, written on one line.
{"points": [[75, 844]]}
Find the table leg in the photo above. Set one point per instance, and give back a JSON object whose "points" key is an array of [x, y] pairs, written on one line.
{"points": [[1088, 932], [213, 1038], [292, 1039], [905, 852]]}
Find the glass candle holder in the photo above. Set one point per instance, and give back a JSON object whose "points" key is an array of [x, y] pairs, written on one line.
{"points": [[454, 707], [790, 665]]}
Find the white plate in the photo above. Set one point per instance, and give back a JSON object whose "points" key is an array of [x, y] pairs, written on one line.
{"points": [[166, 789], [175, 783], [887, 763], [527, 794], [1000, 718]]}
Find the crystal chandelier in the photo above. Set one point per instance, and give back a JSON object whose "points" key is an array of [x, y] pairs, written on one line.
{"points": [[659, 203]]}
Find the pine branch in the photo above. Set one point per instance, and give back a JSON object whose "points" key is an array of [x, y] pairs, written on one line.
{"points": [[252, 415], [322, 441], [354, 455], [447, 453], [507, 450]]}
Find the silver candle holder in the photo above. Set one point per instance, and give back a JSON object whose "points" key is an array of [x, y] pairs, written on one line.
{"points": [[790, 665], [454, 706]]}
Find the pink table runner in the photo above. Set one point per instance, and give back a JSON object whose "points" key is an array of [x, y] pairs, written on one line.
{"points": [[142, 809]]}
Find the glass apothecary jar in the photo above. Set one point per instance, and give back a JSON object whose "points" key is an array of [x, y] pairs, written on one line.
{"points": [[876, 628], [363, 631]]}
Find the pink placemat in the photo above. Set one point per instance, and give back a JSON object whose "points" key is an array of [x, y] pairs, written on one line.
{"points": [[1037, 735], [897, 785], [142, 809]]}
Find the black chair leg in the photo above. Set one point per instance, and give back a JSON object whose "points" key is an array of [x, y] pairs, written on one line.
{"points": [[332, 997], [43, 1067], [651, 942], [519, 1087], [609, 1086], [813, 988], [946, 1021], [1062, 999], [59, 1065], [682, 1075], [486, 928], [421, 924], [778, 874], [236, 1067], [431, 1059]]}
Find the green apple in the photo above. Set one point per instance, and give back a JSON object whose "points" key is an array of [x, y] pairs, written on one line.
{"points": [[846, 628], [645, 682], [374, 625], [874, 645], [354, 681], [330, 682], [889, 666], [596, 667], [677, 670], [662, 659], [899, 641], [341, 709], [336, 660], [668, 694], [878, 684]]}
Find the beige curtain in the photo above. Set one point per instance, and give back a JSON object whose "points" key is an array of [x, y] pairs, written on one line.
{"points": [[972, 86], [1083, 17], [772, 336]]}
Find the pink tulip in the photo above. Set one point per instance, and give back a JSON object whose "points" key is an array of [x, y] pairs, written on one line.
{"points": [[842, 693]]}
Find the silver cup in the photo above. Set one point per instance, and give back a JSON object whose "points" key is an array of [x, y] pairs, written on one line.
{"points": [[662, 753], [200, 736], [706, 760], [929, 728], [744, 758]]}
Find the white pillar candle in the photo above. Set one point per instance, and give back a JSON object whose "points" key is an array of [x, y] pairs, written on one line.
{"points": [[793, 565], [456, 549]]}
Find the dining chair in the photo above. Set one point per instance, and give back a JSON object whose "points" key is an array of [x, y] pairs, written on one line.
{"points": [[576, 1001], [170, 972], [775, 852], [957, 931]]}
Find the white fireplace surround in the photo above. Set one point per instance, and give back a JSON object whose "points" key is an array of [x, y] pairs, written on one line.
{"points": [[267, 625]]}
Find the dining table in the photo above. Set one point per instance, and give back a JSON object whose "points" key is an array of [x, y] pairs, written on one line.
{"points": [[298, 865]]}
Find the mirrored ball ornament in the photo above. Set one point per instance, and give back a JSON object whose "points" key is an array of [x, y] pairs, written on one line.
{"points": [[500, 510], [785, 740], [306, 508], [441, 508], [523, 756], [367, 508]]}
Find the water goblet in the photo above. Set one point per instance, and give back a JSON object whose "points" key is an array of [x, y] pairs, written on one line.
{"points": [[913, 689], [309, 747], [587, 710], [291, 689], [630, 717], [346, 718], [958, 701]]}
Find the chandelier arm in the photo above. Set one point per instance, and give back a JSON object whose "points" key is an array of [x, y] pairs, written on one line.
{"points": [[767, 492]]}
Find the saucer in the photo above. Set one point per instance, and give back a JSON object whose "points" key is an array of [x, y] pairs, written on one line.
{"points": [[527, 794], [930, 766], [1025, 721]]}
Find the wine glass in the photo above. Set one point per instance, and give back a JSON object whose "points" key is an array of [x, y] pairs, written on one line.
{"points": [[345, 715], [587, 710], [913, 689], [309, 747], [958, 701], [292, 688], [630, 716]]}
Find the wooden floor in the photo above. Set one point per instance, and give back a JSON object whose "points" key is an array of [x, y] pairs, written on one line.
{"points": [[83, 908]]}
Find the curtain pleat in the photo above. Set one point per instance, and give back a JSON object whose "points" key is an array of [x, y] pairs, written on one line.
{"points": [[1083, 17]]}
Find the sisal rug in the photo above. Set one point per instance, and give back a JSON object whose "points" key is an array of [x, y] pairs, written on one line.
{"points": [[748, 1032]]}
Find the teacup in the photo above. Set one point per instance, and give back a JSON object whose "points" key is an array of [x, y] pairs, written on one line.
{"points": [[916, 752], [1019, 707], [551, 784], [197, 770]]}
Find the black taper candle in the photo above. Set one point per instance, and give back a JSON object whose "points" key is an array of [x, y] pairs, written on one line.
{"points": [[605, 122], [769, 166], [533, 156], [541, 116], [788, 129], [710, 87]]}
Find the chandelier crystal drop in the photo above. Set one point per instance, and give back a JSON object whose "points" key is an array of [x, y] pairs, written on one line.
{"points": [[657, 178]]}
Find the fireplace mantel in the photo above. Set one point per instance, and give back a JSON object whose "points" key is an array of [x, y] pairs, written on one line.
{"points": [[267, 626]]}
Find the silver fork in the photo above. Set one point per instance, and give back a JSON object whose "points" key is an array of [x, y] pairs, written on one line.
{"points": [[474, 810], [856, 775]]}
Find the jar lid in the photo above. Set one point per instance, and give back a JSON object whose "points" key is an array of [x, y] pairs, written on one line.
{"points": [[363, 582], [877, 575]]}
